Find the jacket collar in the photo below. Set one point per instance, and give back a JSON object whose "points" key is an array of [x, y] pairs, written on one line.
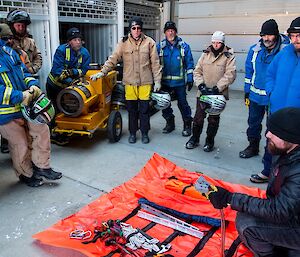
{"points": [[292, 156]]}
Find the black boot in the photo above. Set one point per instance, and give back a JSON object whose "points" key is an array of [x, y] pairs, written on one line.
{"points": [[132, 138], [209, 144], [32, 181], [194, 140], [251, 150], [145, 138], [4, 145], [187, 128], [46, 173], [170, 126]]}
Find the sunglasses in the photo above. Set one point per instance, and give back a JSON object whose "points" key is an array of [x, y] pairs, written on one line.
{"points": [[7, 38], [136, 28]]}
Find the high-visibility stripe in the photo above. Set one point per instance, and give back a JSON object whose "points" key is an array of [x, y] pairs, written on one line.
{"points": [[258, 91], [189, 71], [80, 59], [9, 110], [28, 79], [79, 72], [247, 80], [55, 81], [253, 64], [173, 77], [8, 89], [68, 54]]}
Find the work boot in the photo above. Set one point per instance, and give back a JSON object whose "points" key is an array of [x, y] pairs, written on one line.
{"points": [[4, 145], [209, 144], [46, 173], [132, 138], [251, 150], [145, 138], [170, 126], [194, 140], [32, 181], [187, 128]]}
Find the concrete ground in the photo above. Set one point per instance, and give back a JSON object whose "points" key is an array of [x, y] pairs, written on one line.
{"points": [[94, 166]]}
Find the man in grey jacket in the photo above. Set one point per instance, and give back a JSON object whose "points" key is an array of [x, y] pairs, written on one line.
{"points": [[271, 226]]}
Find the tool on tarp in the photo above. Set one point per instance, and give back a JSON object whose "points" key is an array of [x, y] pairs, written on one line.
{"points": [[206, 189], [167, 220]]}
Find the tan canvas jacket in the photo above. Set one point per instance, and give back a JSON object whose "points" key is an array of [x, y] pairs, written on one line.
{"points": [[28, 45], [217, 71], [140, 61]]}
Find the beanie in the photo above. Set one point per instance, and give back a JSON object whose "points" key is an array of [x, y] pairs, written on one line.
{"points": [[285, 124], [269, 27], [5, 30], [170, 25], [295, 26], [73, 33], [218, 36]]}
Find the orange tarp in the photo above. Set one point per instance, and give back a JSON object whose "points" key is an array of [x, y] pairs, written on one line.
{"points": [[149, 183]]}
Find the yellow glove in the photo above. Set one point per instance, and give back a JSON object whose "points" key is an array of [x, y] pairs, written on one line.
{"points": [[27, 97], [247, 100], [36, 91]]}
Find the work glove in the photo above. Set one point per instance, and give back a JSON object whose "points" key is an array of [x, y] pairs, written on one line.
{"points": [[215, 90], [27, 97], [156, 87], [247, 100], [220, 198], [36, 92], [97, 76], [203, 89], [189, 85]]}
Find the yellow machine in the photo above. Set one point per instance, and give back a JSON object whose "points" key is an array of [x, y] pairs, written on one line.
{"points": [[88, 106]]}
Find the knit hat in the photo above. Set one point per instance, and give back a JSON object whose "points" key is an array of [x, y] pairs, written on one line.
{"points": [[5, 30], [218, 36], [295, 26], [285, 124], [73, 33], [170, 25], [269, 27]]}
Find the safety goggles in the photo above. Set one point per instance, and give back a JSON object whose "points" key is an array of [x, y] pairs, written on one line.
{"points": [[136, 28]]}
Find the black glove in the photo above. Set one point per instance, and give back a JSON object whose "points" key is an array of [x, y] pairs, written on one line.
{"points": [[215, 90], [247, 100], [203, 89], [220, 198], [189, 85]]}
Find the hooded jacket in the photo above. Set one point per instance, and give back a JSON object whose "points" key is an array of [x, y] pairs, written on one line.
{"points": [[217, 71]]}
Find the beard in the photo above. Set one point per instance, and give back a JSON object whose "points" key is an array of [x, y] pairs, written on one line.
{"points": [[269, 43], [274, 150]]}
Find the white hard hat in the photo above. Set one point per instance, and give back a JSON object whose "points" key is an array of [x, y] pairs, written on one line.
{"points": [[162, 100], [215, 104], [218, 36]]}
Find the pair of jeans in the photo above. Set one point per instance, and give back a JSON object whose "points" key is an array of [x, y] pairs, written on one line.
{"points": [[183, 106], [267, 239]]}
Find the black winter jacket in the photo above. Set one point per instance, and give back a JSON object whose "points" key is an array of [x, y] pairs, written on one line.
{"points": [[283, 193]]}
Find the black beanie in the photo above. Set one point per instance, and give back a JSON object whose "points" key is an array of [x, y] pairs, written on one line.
{"points": [[269, 27], [295, 26], [135, 21], [285, 124], [170, 25], [73, 33]]}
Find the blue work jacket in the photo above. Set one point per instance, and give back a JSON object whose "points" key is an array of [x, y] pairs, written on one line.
{"points": [[14, 79], [283, 80], [177, 62], [65, 58], [257, 62]]}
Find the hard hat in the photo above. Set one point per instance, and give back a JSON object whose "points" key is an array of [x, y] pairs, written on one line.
{"points": [[162, 100], [135, 21], [215, 103], [18, 16], [39, 111]]}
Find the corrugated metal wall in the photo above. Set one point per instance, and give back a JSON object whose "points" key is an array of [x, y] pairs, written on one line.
{"points": [[241, 20]]}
